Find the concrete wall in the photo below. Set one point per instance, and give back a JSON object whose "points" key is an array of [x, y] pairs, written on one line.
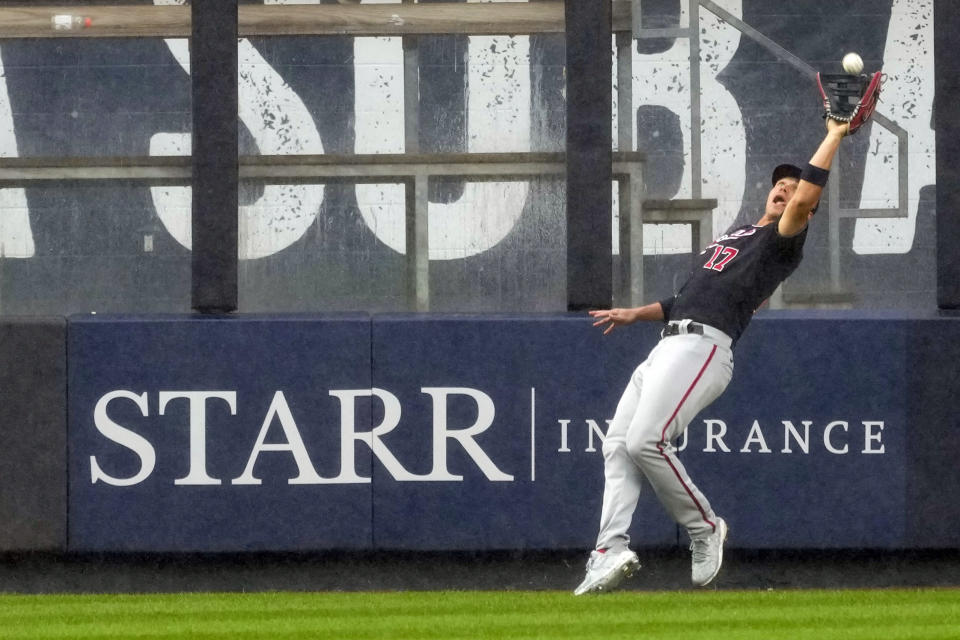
{"points": [[496, 246]]}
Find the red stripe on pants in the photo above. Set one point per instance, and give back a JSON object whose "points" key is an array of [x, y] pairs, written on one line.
{"points": [[663, 436]]}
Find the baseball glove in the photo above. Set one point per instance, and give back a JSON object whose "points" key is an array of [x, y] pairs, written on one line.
{"points": [[849, 98]]}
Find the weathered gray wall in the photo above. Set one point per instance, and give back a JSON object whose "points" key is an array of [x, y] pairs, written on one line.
{"points": [[499, 246]]}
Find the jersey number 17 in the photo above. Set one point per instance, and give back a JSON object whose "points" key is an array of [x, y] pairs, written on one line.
{"points": [[721, 257]]}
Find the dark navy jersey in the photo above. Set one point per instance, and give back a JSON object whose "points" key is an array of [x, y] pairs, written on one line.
{"points": [[734, 276]]}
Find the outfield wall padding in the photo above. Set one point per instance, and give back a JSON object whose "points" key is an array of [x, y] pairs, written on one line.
{"points": [[33, 435], [933, 448], [169, 409], [455, 432], [520, 482]]}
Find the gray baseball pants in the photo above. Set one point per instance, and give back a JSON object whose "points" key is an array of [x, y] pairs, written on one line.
{"points": [[681, 376]]}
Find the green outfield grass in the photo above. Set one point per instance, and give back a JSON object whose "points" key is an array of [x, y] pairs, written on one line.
{"points": [[871, 615]]}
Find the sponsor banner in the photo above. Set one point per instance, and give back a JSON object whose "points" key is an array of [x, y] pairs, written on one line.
{"points": [[198, 434], [503, 427], [464, 432], [805, 448]]}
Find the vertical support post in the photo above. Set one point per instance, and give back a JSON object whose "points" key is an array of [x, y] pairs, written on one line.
{"points": [[776, 299], [624, 43], [696, 188], [947, 87], [411, 94], [213, 62], [636, 17], [705, 230], [416, 196], [589, 158], [833, 226], [696, 236], [621, 280], [636, 235], [418, 243], [624, 91]]}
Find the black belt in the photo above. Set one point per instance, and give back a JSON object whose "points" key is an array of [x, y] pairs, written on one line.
{"points": [[676, 330]]}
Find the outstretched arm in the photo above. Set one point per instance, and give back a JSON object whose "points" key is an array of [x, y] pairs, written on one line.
{"points": [[618, 317], [808, 193]]}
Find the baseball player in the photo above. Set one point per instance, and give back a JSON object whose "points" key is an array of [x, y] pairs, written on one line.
{"points": [[691, 366]]}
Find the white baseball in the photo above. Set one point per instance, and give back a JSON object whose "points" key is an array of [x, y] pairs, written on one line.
{"points": [[852, 63]]}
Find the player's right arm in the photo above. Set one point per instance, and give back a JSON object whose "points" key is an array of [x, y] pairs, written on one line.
{"points": [[807, 195], [614, 318]]}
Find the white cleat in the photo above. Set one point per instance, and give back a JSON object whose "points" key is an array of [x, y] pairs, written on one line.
{"points": [[708, 555], [605, 571]]}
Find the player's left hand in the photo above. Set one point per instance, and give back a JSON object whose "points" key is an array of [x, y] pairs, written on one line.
{"points": [[850, 98], [840, 128], [613, 318]]}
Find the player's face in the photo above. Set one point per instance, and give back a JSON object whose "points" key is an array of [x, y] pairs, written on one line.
{"points": [[780, 195]]}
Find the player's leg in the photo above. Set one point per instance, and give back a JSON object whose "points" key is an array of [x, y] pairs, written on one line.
{"points": [[688, 374], [612, 560], [623, 479]]}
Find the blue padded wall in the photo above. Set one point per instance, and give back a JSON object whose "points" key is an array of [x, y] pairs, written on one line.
{"points": [[302, 358], [457, 432]]}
